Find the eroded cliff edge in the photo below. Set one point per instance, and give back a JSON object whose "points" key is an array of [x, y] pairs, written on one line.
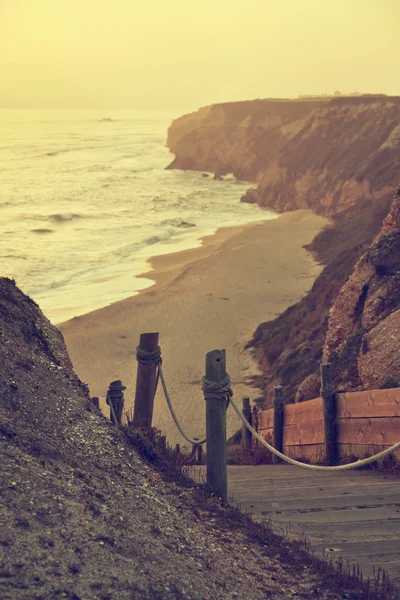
{"points": [[341, 158]]}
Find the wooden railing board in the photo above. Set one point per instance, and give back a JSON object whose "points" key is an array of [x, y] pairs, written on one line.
{"points": [[367, 422], [374, 403], [294, 435], [375, 431], [266, 419], [304, 412]]}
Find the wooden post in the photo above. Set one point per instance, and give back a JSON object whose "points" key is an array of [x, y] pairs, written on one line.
{"points": [[199, 455], [278, 422], [145, 384], [177, 448], [216, 428], [115, 400], [95, 401], [328, 396], [246, 434]]}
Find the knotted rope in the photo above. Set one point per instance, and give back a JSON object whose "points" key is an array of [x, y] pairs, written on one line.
{"points": [[148, 358], [217, 390], [116, 389]]}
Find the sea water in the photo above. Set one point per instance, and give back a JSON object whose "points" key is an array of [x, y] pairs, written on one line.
{"points": [[86, 200]]}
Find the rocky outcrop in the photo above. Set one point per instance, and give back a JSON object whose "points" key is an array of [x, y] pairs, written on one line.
{"points": [[289, 349], [364, 322], [341, 158], [322, 154]]}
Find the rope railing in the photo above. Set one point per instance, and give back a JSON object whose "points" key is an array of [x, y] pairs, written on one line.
{"points": [[222, 390], [292, 461], [144, 357]]}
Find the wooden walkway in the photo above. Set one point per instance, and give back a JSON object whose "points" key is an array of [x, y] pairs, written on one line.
{"points": [[354, 513]]}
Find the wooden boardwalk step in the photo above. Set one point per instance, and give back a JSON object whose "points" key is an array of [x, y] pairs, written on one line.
{"points": [[353, 514]]}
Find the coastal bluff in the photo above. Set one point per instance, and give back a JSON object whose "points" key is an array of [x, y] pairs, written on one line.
{"points": [[339, 157], [323, 154]]}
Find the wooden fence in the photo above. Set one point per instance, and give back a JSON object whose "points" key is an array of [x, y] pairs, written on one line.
{"points": [[366, 423]]}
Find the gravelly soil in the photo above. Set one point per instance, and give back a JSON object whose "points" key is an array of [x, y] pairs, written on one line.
{"points": [[83, 517]]}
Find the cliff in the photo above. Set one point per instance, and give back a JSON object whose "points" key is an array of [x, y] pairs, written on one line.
{"points": [[84, 516], [339, 157], [321, 154], [364, 321]]}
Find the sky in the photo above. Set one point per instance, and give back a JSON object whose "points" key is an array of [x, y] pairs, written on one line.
{"points": [[190, 53]]}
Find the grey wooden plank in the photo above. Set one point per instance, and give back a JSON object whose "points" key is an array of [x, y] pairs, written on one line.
{"points": [[265, 506], [342, 532], [350, 515], [318, 491], [376, 549]]}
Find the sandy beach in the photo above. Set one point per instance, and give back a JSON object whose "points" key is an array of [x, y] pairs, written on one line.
{"points": [[210, 297]]}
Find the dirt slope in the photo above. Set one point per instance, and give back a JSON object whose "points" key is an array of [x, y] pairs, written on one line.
{"points": [[84, 518]]}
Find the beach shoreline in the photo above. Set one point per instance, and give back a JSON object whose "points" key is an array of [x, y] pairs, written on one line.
{"points": [[209, 297]]}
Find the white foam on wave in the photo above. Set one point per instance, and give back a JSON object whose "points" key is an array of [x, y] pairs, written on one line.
{"points": [[105, 227]]}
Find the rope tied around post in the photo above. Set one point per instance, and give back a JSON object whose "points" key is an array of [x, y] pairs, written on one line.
{"points": [[147, 358], [216, 390], [327, 391]]}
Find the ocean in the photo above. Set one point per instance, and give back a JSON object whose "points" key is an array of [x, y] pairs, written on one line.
{"points": [[85, 201]]}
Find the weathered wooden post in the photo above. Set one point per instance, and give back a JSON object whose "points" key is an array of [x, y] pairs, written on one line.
{"points": [[278, 422], [246, 434], [115, 400], [254, 420], [328, 396], [199, 455], [177, 448], [145, 383], [95, 400], [216, 427]]}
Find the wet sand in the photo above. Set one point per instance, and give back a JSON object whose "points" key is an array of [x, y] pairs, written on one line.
{"points": [[210, 297]]}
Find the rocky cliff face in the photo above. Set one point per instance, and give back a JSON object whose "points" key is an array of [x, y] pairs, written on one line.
{"points": [[319, 154], [289, 349], [341, 158], [364, 321]]}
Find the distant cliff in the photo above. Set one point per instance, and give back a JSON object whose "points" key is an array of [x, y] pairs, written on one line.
{"points": [[320, 154], [341, 158]]}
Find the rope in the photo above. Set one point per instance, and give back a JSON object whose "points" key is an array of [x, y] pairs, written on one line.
{"points": [[113, 413], [292, 461], [194, 442], [217, 390], [147, 358], [327, 391]]}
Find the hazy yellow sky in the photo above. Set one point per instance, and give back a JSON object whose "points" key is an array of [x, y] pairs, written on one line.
{"points": [[187, 53]]}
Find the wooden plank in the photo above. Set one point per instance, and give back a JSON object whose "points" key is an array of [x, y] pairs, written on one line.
{"points": [[341, 532], [376, 548], [371, 403], [304, 412], [363, 450], [265, 506], [299, 434], [326, 491], [266, 419], [349, 515], [312, 452], [381, 431]]}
